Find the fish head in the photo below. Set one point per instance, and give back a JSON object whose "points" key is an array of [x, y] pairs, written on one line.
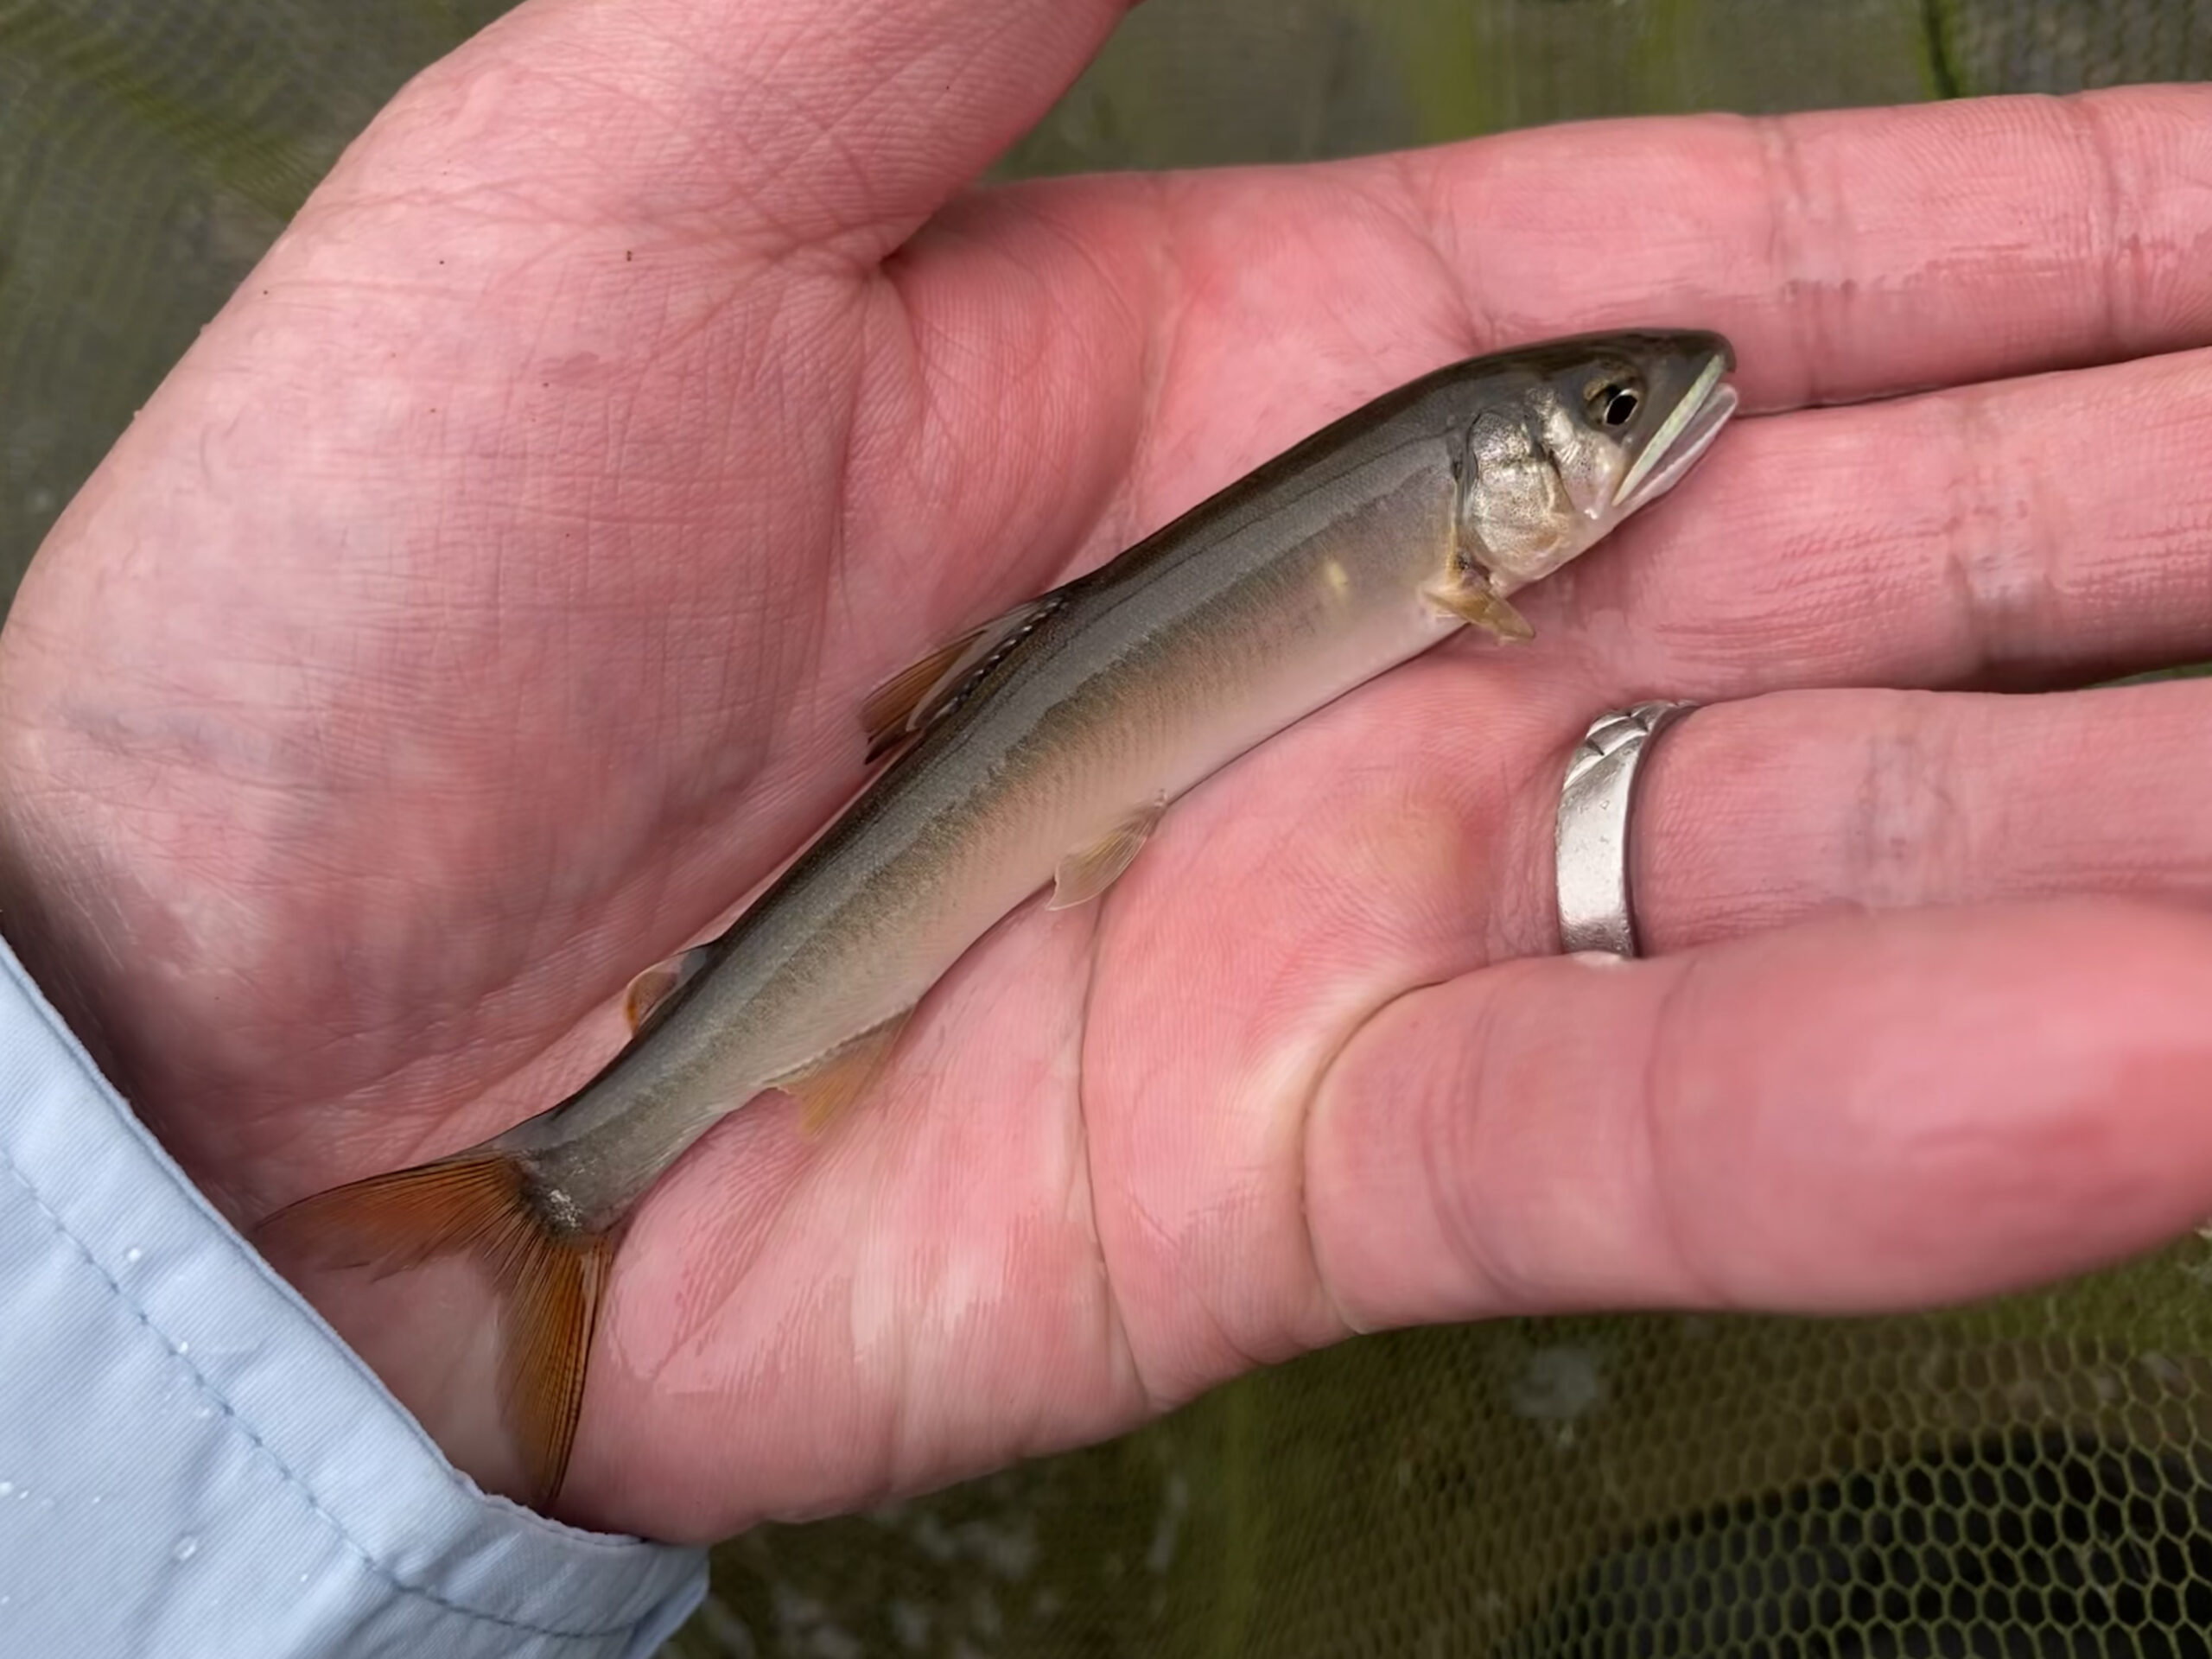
{"points": [[1565, 440]]}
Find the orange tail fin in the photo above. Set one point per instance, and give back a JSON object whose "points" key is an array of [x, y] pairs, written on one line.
{"points": [[549, 1282]]}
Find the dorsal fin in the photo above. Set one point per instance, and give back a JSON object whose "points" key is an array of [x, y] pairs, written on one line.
{"points": [[927, 690]]}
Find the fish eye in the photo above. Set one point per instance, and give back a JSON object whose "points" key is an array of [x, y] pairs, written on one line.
{"points": [[1614, 402]]}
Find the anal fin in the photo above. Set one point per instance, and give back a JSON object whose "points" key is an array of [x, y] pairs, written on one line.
{"points": [[826, 1086], [1087, 872]]}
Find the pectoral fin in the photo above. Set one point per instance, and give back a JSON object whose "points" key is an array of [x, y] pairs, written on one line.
{"points": [[1089, 871], [652, 988], [926, 691], [1474, 604], [827, 1085]]}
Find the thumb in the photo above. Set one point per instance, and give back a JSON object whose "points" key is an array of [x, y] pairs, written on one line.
{"points": [[775, 124], [1862, 1114]]}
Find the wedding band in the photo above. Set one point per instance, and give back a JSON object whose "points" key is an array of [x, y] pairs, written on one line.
{"points": [[1595, 909]]}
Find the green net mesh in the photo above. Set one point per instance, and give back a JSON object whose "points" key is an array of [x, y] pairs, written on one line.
{"points": [[2031, 1476]]}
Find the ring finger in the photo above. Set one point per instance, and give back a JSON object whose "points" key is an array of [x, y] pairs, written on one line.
{"points": [[1762, 813]]}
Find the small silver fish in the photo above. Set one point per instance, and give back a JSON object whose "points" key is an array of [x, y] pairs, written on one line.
{"points": [[1044, 747]]}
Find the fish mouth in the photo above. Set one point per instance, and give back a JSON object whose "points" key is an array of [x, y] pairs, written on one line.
{"points": [[1686, 433]]}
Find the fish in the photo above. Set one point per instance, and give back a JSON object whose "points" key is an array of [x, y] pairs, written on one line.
{"points": [[1041, 748]]}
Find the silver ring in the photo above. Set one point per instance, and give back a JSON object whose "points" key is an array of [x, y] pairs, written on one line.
{"points": [[1595, 911]]}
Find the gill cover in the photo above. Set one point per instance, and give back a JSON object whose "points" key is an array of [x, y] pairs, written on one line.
{"points": [[1597, 432]]}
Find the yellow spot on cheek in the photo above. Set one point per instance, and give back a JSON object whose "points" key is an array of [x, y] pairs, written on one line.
{"points": [[1339, 578]]}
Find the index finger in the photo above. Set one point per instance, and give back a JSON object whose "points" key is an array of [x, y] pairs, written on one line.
{"points": [[1855, 253], [1213, 318]]}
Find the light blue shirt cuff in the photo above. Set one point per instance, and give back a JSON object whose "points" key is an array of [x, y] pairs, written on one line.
{"points": [[191, 1463]]}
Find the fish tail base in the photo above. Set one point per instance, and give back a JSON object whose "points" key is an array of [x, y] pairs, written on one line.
{"points": [[548, 1280]]}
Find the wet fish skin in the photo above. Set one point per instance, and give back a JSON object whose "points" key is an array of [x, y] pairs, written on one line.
{"points": [[1044, 752], [1124, 689]]}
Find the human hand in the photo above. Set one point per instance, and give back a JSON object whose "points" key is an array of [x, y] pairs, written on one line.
{"points": [[484, 603]]}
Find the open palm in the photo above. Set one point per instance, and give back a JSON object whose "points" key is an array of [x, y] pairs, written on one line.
{"points": [[483, 607]]}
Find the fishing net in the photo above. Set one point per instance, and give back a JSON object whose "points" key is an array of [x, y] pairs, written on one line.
{"points": [[2033, 1478], [2030, 1477]]}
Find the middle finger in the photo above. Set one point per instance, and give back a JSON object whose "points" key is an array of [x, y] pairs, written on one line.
{"points": [[2046, 531]]}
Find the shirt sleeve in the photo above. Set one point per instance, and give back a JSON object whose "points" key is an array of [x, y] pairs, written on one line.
{"points": [[191, 1462]]}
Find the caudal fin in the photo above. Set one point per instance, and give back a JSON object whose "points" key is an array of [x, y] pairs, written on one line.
{"points": [[549, 1282]]}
